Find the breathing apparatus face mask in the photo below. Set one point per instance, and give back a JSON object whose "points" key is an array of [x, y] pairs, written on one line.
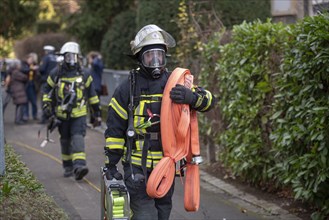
{"points": [[154, 61], [71, 59]]}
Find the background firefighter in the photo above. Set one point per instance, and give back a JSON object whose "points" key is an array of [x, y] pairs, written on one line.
{"points": [[68, 91], [48, 62], [149, 49]]}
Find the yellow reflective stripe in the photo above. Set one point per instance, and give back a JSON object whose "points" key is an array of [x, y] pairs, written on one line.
{"points": [[60, 91], [79, 93], [139, 144], [138, 161], [45, 98], [150, 96], [199, 101], [137, 153], [151, 155], [209, 97], [93, 100], [115, 143], [71, 79], [50, 82], [155, 162], [107, 160], [118, 109], [139, 120], [66, 157], [79, 156], [89, 80], [79, 112], [60, 113], [76, 112], [155, 154]]}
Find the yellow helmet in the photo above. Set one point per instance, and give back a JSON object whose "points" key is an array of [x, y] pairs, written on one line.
{"points": [[149, 35]]}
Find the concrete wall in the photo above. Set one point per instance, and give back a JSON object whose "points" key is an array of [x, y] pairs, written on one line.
{"points": [[112, 78]]}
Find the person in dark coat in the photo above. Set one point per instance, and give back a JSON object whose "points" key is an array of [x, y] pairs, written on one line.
{"points": [[18, 92], [31, 70], [95, 66]]}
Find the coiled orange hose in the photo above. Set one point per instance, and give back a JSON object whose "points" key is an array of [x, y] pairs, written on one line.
{"points": [[180, 139]]}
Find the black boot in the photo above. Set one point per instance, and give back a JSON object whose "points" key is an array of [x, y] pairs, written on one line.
{"points": [[68, 171], [80, 172]]}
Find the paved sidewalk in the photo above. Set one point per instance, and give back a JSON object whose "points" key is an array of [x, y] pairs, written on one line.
{"points": [[241, 198]]}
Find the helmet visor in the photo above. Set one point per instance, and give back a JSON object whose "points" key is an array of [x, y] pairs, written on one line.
{"points": [[154, 58], [71, 58]]}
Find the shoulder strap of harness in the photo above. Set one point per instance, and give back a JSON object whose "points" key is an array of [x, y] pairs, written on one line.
{"points": [[130, 133]]}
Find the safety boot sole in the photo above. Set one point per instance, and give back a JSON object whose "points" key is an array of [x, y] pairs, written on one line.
{"points": [[80, 172], [68, 172]]}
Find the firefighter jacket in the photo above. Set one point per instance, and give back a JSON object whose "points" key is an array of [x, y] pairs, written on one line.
{"points": [[69, 92], [147, 106]]}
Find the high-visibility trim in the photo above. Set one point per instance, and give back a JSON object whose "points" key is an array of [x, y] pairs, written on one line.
{"points": [[50, 82], [66, 157], [107, 161], [88, 82], [118, 109], [139, 120], [79, 156], [139, 145], [71, 79], [152, 155], [45, 98], [138, 161], [209, 97], [115, 143], [156, 154], [79, 94], [93, 100], [199, 101], [149, 97], [61, 90], [76, 112]]}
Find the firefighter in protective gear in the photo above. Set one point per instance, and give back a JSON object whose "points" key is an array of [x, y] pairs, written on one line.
{"points": [[68, 91], [149, 49]]}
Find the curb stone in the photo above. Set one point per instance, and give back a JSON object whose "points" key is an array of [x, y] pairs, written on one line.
{"points": [[268, 209]]}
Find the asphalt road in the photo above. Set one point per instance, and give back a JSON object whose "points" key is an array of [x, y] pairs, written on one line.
{"points": [[81, 199]]}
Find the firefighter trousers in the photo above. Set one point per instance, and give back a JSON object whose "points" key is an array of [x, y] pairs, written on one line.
{"points": [[72, 133], [143, 207]]}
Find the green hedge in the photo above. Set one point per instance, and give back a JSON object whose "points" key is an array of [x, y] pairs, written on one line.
{"points": [[273, 102], [300, 137]]}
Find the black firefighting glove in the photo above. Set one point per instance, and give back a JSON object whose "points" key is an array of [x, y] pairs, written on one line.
{"points": [[47, 110], [111, 172], [182, 95]]}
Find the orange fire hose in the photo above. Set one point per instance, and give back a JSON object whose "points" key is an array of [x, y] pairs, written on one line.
{"points": [[180, 139]]}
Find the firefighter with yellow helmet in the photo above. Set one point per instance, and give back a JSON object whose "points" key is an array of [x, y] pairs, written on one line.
{"points": [[68, 91], [136, 103]]}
